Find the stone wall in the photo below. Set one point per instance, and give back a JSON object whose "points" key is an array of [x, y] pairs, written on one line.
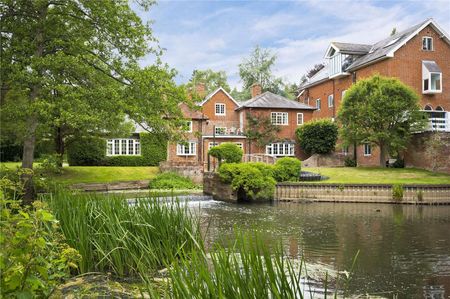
{"points": [[413, 194], [330, 160], [212, 185], [416, 154], [192, 170]]}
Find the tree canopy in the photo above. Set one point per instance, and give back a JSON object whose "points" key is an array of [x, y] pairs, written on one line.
{"points": [[211, 79], [318, 136], [72, 66], [381, 111]]}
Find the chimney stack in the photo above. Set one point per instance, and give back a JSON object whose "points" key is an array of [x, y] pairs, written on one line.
{"points": [[200, 89], [256, 89]]}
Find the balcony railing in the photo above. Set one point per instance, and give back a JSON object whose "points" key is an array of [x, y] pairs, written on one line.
{"points": [[439, 124], [228, 132], [337, 64]]}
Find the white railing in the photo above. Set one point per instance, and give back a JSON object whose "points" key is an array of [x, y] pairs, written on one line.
{"points": [[259, 158], [439, 124]]}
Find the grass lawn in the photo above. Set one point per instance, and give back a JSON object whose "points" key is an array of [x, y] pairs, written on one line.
{"points": [[374, 175], [99, 174]]}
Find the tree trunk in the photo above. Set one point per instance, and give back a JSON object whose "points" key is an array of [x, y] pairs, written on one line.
{"points": [[32, 122], [382, 154], [355, 152], [59, 145]]}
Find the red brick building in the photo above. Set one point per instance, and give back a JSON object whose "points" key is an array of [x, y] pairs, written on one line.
{"points": [[419, 56], [223, 119]]}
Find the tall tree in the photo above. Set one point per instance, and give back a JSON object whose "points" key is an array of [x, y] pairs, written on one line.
{"points": [[74, 63], [258, 68], [381, 111], [210, 78], [260, 130]]}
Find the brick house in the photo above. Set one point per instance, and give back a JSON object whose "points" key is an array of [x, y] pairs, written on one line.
{"points": [[419, 56], [223, 119]]}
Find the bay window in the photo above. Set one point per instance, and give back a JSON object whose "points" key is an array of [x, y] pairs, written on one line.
{"points": [[280, 149], [431, 77]]}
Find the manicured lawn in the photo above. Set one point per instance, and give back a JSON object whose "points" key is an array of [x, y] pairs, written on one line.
{"points": [[374, 175], [99, 174]]}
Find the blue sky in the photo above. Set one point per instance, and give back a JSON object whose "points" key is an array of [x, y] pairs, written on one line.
{"points": [[219, 34]]}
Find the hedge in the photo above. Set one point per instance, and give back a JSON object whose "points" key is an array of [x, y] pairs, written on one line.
{"points": [[318, 136], [91, 151]]}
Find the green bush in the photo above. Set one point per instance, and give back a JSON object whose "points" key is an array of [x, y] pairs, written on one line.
{"points": [[318, 137], [349, 162], [227, 152], [171, 180], [397, 192], [34, 258], [399, 163], [249, 179], [287, 169], [125, 161], [266, 169], [86, 151]]}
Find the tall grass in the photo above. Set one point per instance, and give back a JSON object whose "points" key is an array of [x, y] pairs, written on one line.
{"points": [[248, 269], [125, 240]]}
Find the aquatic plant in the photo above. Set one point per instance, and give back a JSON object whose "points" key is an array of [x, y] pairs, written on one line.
{"points": [[397, 192], [124, 239]]}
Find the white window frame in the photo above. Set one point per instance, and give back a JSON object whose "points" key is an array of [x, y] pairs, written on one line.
{"points": [[280, 118], [429, 90], [299, 123], [423, 43], [345, 150], [220, 109], [367, 150], [188, 149], [280, 149], [330, 101], [318, 104], [217, 130], [123, 147]]}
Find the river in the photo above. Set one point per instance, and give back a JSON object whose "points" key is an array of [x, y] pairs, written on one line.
{"points": [[404, 250]]}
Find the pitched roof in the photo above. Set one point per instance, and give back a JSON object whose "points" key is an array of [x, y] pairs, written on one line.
{"points": [[349, 48], [190, 113], [271, 100], [209, 96], [378, 51]]}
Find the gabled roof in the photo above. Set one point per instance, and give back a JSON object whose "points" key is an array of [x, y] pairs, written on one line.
{"points": [[208, 97], [268, 100], [190, 113], [378, 51]]}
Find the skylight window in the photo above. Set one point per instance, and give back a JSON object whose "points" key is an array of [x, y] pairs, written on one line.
{"points": [[392, 42]]}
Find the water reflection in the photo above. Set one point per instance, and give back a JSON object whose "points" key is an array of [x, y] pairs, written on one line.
{"points": [[404, 249]]}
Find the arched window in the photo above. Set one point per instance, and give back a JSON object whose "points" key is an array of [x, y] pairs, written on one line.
{"points": [[439, 108], [428, 108]]}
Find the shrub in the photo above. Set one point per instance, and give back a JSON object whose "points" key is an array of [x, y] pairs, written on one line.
{"points": [[420, 195], [399, 163], [397, 192], [227, 152], [171, 180], [50, 164], [349, 162], [86, 151], [266, 169], [287, 169], [318, 137], [124, 161], [249, 179], [11, 152], [34, 258]]}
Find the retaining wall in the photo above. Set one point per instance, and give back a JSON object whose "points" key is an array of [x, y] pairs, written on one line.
{"points": [[192, 170], [212, 185], [413, 194]]}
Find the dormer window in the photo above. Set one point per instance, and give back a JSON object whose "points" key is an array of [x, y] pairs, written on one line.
{"points": [[431, 77], [427, 43]]}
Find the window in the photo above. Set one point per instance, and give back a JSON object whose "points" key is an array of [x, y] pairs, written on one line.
{"points": [[220, 109], [431, 77], [367, 149], [318, 104], [124, 147], [427, 43], [188, 149], [280, 149], [330, 100], [345, 150], [279, 118], [299, 119], [188, 126], [343, 94], [212, 144], [220, 130], [239, 144]]}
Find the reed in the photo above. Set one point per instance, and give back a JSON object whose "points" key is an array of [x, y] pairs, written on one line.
{"points": [[127, 240]]}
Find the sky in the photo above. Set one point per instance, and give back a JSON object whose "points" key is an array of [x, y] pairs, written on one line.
{"points": [[220, 34]]}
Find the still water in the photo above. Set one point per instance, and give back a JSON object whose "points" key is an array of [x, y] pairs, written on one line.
{"points": [[404, 250]]}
